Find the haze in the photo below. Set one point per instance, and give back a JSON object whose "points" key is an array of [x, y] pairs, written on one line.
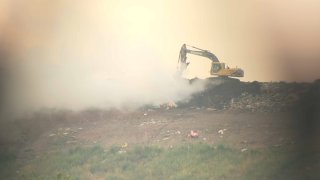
{"points": [[81, 54]]}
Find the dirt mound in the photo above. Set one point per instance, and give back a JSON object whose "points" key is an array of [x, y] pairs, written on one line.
{"points": [[232, 94]]}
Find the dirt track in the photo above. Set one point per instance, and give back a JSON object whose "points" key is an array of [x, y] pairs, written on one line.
{"points": [[168, 128]]}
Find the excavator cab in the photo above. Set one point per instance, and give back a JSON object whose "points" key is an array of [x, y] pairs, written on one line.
{"points": [[216, 67], [220, 69]]}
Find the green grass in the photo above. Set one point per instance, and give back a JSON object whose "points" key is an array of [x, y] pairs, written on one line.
{"points": [[7, 163], [194, 161]]}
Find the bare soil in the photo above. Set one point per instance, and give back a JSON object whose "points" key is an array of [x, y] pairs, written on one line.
{"points": [[167, 128]]}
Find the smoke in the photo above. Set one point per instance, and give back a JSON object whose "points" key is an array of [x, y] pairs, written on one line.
{"points": [[59, 55], [78, 54]]}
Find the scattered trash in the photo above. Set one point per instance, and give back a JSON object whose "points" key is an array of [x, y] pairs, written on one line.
{"points": [[152, 121], [244, 142], [193, 134], [177, 132], [211, 109], [247, 96], [172, 104], [65, 133], [122, 151], [80, 128], [52, 135], [169, 105], [124, 145], [69, 142], [204, 139], [221, 131], [166, 138], [244, 149], [67, 129], [145, 114]]}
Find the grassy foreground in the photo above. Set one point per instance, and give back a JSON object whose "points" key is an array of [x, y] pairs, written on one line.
{"points": [[194, 161]]}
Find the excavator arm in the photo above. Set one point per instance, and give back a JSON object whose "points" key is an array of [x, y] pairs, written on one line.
{"points": [[203, 53], [200, 52]]}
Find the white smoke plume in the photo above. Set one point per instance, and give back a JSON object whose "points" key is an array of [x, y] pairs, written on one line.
{"points": [[61, 56]]}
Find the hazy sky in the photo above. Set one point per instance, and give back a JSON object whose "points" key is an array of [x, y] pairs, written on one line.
{"points": [[52, 44], [247, 34]]}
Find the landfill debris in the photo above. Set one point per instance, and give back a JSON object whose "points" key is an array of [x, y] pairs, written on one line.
{"points": [[166, 138], [172, 104], [240, 96], [193, 134], [211, 109], [169, 105], [244, 149], [122, 151], [221, 131], [52, 135], [152, 121], [145, 114], [244, 142], [124, 145]]}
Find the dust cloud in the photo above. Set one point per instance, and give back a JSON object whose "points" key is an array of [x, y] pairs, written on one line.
{"points": [[57, 55], [78, 54]]}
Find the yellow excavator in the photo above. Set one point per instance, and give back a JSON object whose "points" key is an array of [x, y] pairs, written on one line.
{"points": [[217, 68]]}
